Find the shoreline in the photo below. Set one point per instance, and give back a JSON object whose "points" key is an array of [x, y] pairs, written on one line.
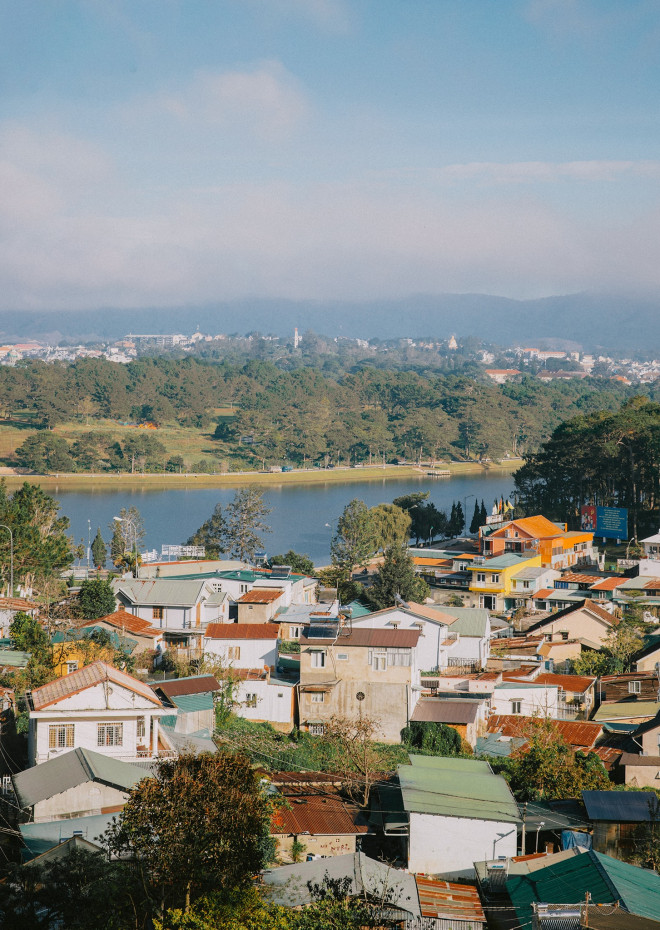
{"points": [[168, 481]]}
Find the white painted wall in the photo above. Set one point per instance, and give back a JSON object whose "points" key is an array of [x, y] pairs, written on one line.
{"points": [[275, 702], [535, 699], [449, 846], [254, 653], [82, 801]]}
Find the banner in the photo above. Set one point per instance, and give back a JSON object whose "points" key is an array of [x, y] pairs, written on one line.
{"points": [[606, 522]]}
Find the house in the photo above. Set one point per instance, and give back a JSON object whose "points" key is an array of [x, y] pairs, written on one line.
{"points": [[260, 605], [507, 733], [467, 717], [589, 876], [71, 649], [582, 625], [528, 582], [76, 784], [242, 645], [180, 608], [189, 703], [262, 697], [529, 699], [373, 672], [96, 707], [502, 375], [491, 578], [298, 589], [146, 636], [457, 809], [616, 817], [648, 658], [319, 819], [293, 620], [639, 765], [556, 546], [576, 694], [450, 637], [9, 607], [632, 686], [626, 714]]}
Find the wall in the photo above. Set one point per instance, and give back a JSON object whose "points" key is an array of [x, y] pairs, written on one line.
{"points": [[315, 845], [388, 703], [86, 799], [275, 703], [257, 613], [448, 846], [541, 699], [255, 653], [643, 776]]}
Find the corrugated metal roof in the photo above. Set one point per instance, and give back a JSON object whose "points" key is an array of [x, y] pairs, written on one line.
{"points": [[620, 806], [577, 684], [577, 733], [88, 677], [242, 631], [438, 710], [71, 769], [470, 621], [456, 788], [404, 639], [626, 710], [261, 596], [448, 900], [13, 658], [194, 684], [162, 592], [122, 620], [192, 703], [319, 816]]}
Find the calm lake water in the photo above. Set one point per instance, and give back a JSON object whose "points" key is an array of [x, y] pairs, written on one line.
{"points": [[303, 517]]}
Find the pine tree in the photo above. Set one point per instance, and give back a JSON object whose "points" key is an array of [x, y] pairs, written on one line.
{"points": [[484, 513], [396, 576], [476, 519], [99, 550]]}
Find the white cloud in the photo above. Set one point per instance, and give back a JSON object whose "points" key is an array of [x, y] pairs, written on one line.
{"points": [[265, 102], [543, 171]]}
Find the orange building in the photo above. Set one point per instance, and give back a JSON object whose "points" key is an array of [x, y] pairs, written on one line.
{"points": [[558, 547]]}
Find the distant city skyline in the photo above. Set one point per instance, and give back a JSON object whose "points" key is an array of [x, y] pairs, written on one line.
{"points": [[169, 153]]}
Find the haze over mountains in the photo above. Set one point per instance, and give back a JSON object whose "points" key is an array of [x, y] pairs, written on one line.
{"points": [[589, 321]]}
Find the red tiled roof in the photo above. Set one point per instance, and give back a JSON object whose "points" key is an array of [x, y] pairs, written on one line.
{"points": [[122, 620], [405, 639], [261, 596], [579, 578], [577, 733], [88, 677], [319, 816], [607, 584], [543, 593], [241, 631]]}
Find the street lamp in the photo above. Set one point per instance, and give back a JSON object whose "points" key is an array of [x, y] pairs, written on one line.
{"points": [[541, 824], [132, 526], [11, 557]]}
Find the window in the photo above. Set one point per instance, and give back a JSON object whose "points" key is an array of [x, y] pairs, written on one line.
{"points": [[318, 697], [71, 667], [379, 661], [250, 700], [233, 652], [564, 635], [244, 589], [481, 577], [495, 579], [318, 659], [516, 707], [141, 728], [634, 687], [110, 734], [158, 613], [294, 632], [342, 657], [316, 729], [60, 737]]}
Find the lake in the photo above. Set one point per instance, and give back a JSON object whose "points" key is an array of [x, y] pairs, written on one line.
{"points": [[303, 517]]}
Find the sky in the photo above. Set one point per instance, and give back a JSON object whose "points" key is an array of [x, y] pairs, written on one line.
{"points": [[181, 152]]}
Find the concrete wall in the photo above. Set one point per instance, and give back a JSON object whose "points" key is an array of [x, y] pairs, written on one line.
{"points": [[643, 776], [534, 700], [448, 846], [390, 704], [314, 845], [275, 703], [84, 800], [254, 653]]}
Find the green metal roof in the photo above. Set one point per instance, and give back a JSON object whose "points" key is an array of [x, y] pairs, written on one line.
{"points": [[13, 658], [358, 609], [188, 703], [506, 560], [470, 621], [607, 880], [626, 709], [71, 769], [163, 592], [456, 788]]}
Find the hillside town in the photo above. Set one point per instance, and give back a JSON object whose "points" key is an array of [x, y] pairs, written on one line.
{"points": [[516, 711]]}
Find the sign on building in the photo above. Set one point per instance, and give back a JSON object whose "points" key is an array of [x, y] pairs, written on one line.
{"points": [[606, 522]]}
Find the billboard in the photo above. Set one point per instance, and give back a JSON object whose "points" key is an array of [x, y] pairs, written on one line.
{"points": [[606, 522]]}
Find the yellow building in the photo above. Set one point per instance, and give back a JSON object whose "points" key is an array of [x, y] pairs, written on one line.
{"points": [[491, 579]]}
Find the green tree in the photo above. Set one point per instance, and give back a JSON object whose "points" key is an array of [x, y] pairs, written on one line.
{"points": [[354, 542], [99, 550], [45, 453], [245, 523], [41, 547], [28, 635], [483, 515], [212, 534], [128, 533], [300, 564], [435, 738], [476, 519], [396, 577], [97, 599], [391, 525], [204, 819]]}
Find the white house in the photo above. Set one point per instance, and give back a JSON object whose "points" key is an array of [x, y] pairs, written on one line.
{"points": [[172, 603], [242, 645], [9, 607], [458, 812], [528, 699], [263, 698], [96, 707], [458, 637]]}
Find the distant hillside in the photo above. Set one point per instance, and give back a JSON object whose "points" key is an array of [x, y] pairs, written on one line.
{"points": [[592, 321]]}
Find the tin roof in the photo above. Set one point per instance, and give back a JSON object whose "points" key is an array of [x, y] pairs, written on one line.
{"points": [[577, 733], [620, 806], [319, 815], [448, 900], [70, 770], [122, 620], [88, 677], [195, 684], [161, 592], [455, 787], [607, 584], [260, 596], [403, 639], [439, 710], [242, 631], [578, 684]]}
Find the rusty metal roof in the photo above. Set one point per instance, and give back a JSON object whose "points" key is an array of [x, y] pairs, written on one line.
{"points": [[448, 900], [121, 619], [580, 734], [404, 639], [319, 816], [242, 631], [261, 596], [196, 684]]}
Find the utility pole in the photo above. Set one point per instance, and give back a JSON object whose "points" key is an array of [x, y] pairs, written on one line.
{"points": [[524, 825], [11, 558]]}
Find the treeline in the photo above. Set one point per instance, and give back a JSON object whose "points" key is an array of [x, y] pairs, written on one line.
{"points": [[605, 458], [299, 416]]}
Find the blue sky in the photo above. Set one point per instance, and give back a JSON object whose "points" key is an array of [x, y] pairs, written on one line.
{"points": [[167, 152]]}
